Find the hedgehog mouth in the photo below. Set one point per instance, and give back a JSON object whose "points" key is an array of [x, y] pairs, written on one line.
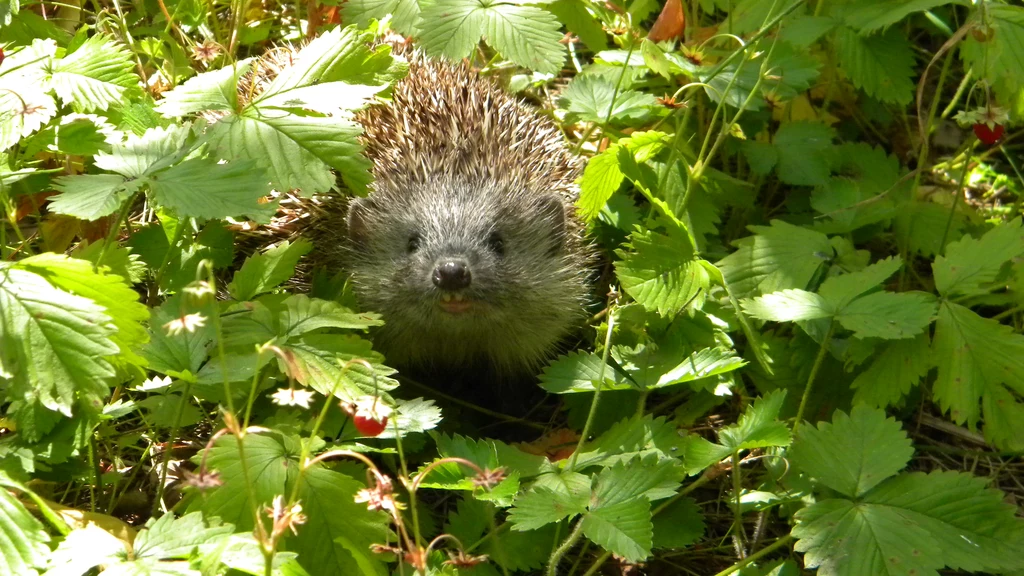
{"points": [[455, 302]]}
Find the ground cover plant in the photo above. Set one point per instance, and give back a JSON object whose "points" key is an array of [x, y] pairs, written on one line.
{"points": [[805, 353]]}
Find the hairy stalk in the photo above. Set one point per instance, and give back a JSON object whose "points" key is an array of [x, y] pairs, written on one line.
{"points": [[622, 74], [154, 289], [959, 192], [169, 447], [597, 390], [239, 435], [968, 76], [115, 227], [737, 518], [784, 541], [559, 552], [417, 537], [94, 467], [814, 372]]}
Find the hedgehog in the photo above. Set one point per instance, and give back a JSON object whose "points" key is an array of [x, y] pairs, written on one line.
{"points": [[467, 243]]}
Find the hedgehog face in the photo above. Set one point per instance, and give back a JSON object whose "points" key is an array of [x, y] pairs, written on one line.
{"points": [[461, 262]]}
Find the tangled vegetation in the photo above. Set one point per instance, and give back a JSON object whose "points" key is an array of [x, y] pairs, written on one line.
{"points": [[805, 354]]}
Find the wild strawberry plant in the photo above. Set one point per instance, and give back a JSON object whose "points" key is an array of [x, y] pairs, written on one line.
{"points": [[808, 359]]}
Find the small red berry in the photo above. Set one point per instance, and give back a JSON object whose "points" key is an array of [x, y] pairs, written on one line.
{"points": [[369, 426], [369, 414], [1, 55], [988, 135]]}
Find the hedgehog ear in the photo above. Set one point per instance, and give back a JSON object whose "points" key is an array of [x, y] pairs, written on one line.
{"points": [[358, 221], [552, 210]]}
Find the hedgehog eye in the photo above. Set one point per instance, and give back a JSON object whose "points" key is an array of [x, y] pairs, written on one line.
{"points": [[414, 243], [496, 244]]}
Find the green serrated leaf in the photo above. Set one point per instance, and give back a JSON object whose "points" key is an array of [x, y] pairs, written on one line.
{"points": [[203, 188], [95, 76], [338, 533], [843, 538], [970, 264], [110, 291], [701, 364], [91, 196], [912, 525], [451, 27], [272, 464], [758, 427], [577, 372], [405, 13], [170, 537], [296, 150], [882, 65], [870, 15], [263, 272], [662, 273], [854, 453], [623, 528], [778, 257], [526, 35], [56, 344], [899, 367], [699, 453], [976, 529], [649, 477], [601, 178], [841, 290], [22, 538], [594, 99], [320, 357], [788, 306], [541, 506], [980, 360], [338, 55], [214, 90], [631, 438], [888, 315], [140, 156], [806, 153]]}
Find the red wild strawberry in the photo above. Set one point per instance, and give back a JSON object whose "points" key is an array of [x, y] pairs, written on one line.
{"points": [[1, 55], [369, 426], [369, 414], [989, 134]]}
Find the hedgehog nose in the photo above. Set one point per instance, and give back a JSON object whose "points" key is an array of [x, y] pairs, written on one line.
{"points": [[451, 275]]}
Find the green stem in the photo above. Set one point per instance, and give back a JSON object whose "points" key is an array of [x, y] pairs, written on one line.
{"points": [[412, 493], [114, 228], [785, 540], [179, 232], [169, 447], [753, 40], [737, 519], [956, 199], [95, 469], [814, 372], [559, 552], [959, 92], [597, 389]]}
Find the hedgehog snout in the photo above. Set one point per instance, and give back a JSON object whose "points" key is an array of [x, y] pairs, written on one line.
{"points": [[452, 274]]}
